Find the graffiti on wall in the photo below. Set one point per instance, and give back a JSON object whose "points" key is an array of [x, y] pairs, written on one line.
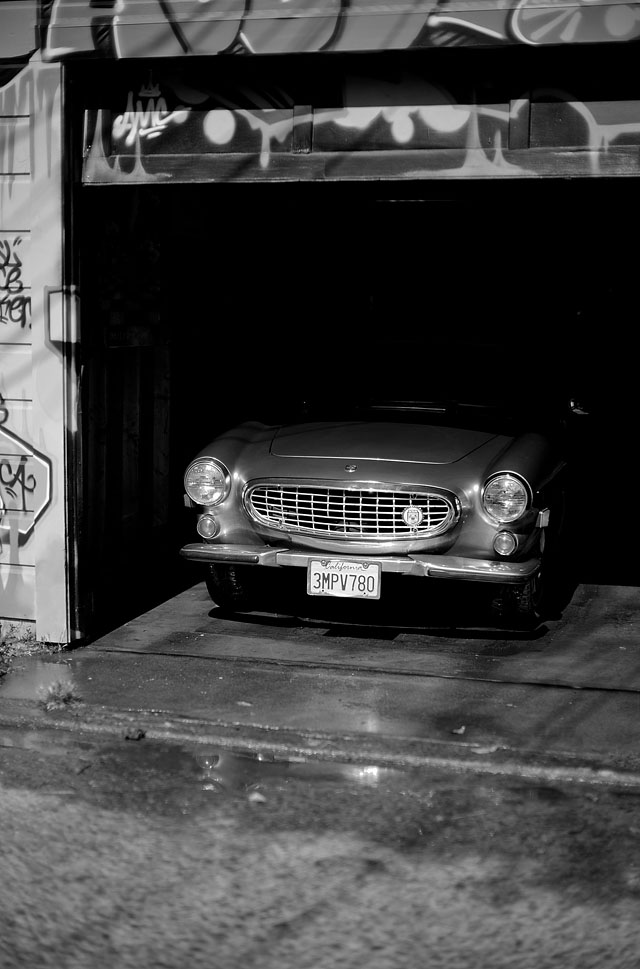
{"points": [[33, 574], [15, 302], [147, 118], [454, 139], [25, 487], [166, 28]]}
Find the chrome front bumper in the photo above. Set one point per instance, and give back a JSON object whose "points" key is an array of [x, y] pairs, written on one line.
{"points": [[431, 566]]}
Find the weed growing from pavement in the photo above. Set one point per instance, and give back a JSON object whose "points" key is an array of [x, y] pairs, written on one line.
{"points": [[19, 639], [58, 695]]}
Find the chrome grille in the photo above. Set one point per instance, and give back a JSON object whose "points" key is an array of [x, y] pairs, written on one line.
{"points": [[346, 513]]}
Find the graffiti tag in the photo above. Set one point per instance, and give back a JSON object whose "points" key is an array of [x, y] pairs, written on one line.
{"points": [[16, 309], [146, 121], [25, 485], [15, 304], [16, 483]]}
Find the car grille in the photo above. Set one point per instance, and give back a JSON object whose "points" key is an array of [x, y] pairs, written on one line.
{"points": [[350, 514]]}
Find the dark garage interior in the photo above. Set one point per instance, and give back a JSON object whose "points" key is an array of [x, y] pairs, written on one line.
{"points": [[205, 305]]}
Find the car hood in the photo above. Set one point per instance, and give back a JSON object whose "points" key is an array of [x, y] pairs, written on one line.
{"points": [[413, 443]]}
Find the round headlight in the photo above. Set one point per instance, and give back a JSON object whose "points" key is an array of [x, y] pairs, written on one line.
{"points": [[207, 482], [505, 497]]}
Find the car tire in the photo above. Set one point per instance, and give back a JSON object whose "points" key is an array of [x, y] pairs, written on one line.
{"points": [[532, 600], [522, 607], [231, 586]]}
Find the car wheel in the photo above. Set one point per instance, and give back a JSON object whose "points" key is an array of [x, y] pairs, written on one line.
{"points": [[520, 606], [531, 601], [231, 586]]}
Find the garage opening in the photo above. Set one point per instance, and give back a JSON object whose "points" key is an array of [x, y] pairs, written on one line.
{"points": [[210, 301], [204, 306]]}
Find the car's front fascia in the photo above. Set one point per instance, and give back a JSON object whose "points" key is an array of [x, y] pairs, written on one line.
{"points": [[471, 548]]}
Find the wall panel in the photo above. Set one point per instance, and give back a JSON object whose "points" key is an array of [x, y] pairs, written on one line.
{"points": [[14, 146], [32, 369]]}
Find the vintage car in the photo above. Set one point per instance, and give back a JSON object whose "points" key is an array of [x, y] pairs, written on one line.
{"points": [[350, 488]]}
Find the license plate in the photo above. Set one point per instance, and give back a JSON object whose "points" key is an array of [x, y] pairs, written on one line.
{"points": [[336, 577]]}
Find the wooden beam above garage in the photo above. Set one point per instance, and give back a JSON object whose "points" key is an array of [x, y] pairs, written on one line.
{"points": [[428, 119]]}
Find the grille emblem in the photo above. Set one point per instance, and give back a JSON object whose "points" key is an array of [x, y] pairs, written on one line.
{"points": [[412, 516], [351, 468]]}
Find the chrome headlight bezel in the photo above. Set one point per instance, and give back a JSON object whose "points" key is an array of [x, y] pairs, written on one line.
{"points": [[214, 484], [506, 497]]}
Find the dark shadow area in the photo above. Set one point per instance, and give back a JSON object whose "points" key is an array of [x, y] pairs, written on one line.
{"points": [[207, 305], [406, 605], [347, 625]]}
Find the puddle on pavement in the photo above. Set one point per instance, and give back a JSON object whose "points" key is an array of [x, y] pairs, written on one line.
{"points": [[153, 765], [43, 741], [31, 678], [223, 771], [215, 770]]}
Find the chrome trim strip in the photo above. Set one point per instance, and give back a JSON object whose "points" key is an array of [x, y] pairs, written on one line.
{"points": [[231, 554], [349, 484], [323, 546], [478, 570], [388, 563], [431, 566]]}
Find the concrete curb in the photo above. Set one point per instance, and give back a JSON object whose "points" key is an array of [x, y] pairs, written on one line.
{"points": [[281, 744]]}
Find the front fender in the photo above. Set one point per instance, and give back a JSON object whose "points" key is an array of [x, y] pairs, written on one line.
{"points": [[534, 458]]}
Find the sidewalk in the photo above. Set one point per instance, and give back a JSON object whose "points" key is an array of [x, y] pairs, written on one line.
{"points": [[177, 676]]}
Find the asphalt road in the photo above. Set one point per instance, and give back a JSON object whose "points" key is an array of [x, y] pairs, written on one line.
{"points": [[288, 790]]}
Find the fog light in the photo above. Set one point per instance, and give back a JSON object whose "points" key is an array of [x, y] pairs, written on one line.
{"points": [[505, 543], [207, 527]]}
